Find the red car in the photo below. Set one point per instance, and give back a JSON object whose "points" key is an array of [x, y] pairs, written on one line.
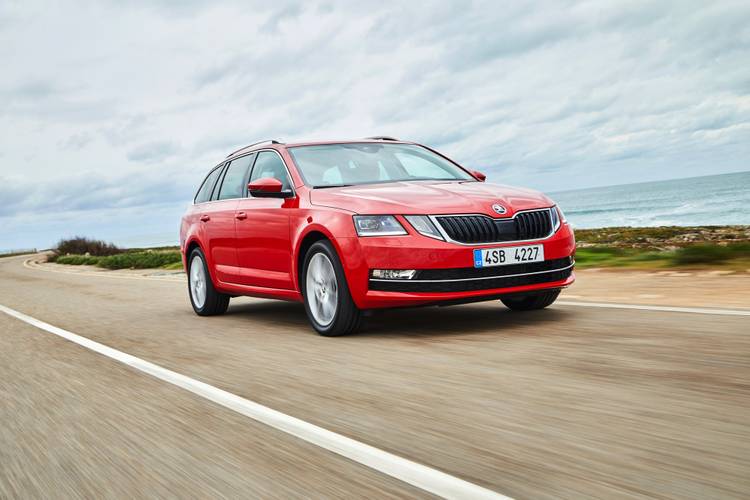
{"points": [[351, 226]]}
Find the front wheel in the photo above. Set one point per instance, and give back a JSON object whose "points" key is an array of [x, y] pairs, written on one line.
{"points": [[206, 300], [532, 301], [328, 303]]}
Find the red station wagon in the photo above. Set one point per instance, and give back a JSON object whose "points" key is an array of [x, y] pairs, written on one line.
{"points": [[351, 226]]}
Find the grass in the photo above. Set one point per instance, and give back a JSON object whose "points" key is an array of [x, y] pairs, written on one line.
{"points": [[731, 255], [725, 247]]}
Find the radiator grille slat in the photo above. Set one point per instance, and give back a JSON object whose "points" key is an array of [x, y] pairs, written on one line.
{"points": [[483, 229]]}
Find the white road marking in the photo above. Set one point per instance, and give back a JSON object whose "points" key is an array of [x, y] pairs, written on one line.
{"points": [[420, 476], [691, 310]]}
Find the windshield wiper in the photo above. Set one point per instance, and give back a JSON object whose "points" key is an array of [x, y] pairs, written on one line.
{"points": [[332, 186]]}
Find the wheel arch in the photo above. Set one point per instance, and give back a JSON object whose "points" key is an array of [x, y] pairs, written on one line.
{"points": [[306, 238], [309, 239], [191, 245]]}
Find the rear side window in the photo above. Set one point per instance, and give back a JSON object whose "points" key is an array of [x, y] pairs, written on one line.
{"points": [[270, 164], [204, 193], [233, 185]]}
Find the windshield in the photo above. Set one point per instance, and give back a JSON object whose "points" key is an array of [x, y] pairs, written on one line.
{"points": [[367, 163]]}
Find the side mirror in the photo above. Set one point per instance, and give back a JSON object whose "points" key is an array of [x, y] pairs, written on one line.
{"points": [[479, 175], [268, 187]]}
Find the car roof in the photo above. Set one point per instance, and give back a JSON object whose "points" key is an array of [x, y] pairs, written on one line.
{"points": [[274, 144], [346, 141]]}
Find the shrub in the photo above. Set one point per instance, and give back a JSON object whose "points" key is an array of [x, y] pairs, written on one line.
{"points": [[81, 246], [140, 260], [77, 260], [708, 254]]}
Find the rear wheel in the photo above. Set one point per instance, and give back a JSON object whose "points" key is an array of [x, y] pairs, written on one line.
{"points": [[206, 300], [328, 303], [532, 301]]}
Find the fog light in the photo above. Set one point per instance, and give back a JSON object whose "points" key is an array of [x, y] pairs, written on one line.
{"points": [[394, 274]]}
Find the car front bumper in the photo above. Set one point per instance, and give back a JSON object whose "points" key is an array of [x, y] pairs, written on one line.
{"points": [[446, 271]]}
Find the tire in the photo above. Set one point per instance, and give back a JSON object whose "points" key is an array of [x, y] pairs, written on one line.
{"points": [[328, 302], [204, 297], [530, 302]]}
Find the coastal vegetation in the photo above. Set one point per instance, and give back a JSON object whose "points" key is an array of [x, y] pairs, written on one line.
{"points": [[730, 256], [83, 251], [664, 247], [721, 247]]}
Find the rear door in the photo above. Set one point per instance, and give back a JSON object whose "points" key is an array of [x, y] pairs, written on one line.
{"points": [[263, 243], [219, 221]]}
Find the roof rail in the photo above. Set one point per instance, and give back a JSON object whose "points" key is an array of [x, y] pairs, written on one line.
{"points": [[272, 141], [382, 138]]}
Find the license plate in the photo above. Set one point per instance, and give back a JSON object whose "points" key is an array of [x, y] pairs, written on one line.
{"points": [[488, 257]]}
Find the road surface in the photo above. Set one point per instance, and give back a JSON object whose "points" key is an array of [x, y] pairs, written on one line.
{"points": [[570, 402]]}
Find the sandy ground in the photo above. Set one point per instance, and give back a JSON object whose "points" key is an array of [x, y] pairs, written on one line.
{"points": [[570, 402]]}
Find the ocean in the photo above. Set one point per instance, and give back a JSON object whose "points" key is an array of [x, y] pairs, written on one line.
{"points": [[697, 201]]}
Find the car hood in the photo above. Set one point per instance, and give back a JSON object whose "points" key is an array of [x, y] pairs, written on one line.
{"points": [[420, 197]]}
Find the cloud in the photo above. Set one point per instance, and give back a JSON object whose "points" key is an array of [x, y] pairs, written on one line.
{"points": [[124, 106], [152, 152], [77, 141]]}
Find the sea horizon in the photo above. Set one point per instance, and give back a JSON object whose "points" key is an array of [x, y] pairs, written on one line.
{"points": [[709, 200]]}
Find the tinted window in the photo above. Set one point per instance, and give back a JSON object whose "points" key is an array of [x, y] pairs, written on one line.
{"points": [[364, 163], [270, 164], [233, 185], [204, 193], [423, 168]]}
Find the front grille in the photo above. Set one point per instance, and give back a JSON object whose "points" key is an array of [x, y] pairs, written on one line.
{"points": [[471, 279], [476, 229], [533, 225]]}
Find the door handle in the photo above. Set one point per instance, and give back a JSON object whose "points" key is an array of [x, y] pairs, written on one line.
{"points": [[205, 218], [240, 216]]}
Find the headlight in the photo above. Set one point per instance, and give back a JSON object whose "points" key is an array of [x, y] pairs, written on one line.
{"points": [[557, 217], [378, 225], [424, 226]]}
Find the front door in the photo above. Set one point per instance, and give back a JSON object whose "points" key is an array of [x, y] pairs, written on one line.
{"points": [[264, 249]]}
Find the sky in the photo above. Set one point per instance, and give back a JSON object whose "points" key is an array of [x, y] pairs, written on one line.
{"points": [[111, 113]]}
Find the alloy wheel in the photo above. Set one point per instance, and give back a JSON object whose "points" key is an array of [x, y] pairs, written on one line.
{"points": [[322, 289], [198, 282]]}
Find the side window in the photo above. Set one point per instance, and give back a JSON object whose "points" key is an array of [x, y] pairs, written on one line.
{"points": [[269, 164], [419, 167], [233, 185], [204, 193]]}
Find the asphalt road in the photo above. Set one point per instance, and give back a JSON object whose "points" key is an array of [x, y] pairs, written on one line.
{"points": [[570, 402]]}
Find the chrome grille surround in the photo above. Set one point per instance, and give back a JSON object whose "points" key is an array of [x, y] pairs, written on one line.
{"points": [[479, 229]]}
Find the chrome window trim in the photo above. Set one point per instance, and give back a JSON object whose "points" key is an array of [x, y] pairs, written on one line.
{"points": [[215, 168], [401, 280], [439, 226], [248, 197]]}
